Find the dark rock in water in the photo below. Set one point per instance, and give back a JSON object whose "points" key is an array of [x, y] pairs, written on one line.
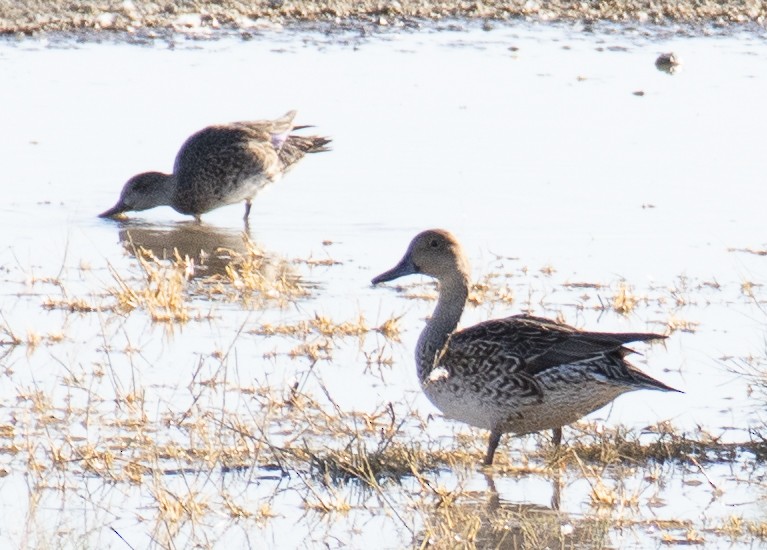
{"points": [[667, 62]]}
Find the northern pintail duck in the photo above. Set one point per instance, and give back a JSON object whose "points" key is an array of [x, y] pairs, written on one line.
{"points": [[520, 374], [220, 165]]}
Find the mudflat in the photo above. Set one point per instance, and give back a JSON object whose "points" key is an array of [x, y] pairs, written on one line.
{"points": [[36, 16]]}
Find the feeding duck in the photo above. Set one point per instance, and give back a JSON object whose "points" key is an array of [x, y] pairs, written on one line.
{"points": [[220, 165]]}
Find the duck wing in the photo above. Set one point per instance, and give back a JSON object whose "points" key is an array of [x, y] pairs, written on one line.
{"points": [[276, 131], [528, 345]]}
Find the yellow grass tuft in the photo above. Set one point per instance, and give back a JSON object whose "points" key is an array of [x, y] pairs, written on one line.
{"points": [[161, 293], [253, 276], [390, 328], [624, 300]]}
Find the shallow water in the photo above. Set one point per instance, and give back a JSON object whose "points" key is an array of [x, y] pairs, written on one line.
{"points": [[528, 142]]}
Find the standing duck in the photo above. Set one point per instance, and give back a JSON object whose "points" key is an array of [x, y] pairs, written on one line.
{"points": [[520, 374], [220, 165]]}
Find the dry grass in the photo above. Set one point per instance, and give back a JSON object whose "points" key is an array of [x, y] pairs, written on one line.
{"points": [[161, 293], [659, 443], [492, 288], [255, 278], [624, 300], [196, 449], [170, 290], [756, 251], [469, 519], [674, 324], [324, 326], [72, 305], [172, 456]]}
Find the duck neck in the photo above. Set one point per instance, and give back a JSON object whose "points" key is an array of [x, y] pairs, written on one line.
{"points": [[165, 189], [452, 299], [148, 190]]}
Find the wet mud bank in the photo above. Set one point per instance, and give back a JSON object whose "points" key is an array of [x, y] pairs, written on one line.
{"points": [[50, 16]]}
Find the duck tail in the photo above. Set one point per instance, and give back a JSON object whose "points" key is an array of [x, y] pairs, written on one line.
{"points": [[296, 147], [647, 382], [310, 144]]}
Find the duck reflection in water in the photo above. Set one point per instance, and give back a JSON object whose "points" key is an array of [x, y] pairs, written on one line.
{"points": [[488, 520], [211, 249]]}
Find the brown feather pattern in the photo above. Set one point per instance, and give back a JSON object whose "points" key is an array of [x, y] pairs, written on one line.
{"points": [[220, 165], [520, 374]]}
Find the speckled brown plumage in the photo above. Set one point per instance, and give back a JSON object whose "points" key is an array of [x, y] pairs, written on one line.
{"points": [[520, 374], [221, 165]]}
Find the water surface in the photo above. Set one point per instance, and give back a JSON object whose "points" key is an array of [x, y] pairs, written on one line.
{"points": [[558, 156]]}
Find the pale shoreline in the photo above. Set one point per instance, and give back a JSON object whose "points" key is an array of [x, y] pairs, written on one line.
{"points": [[110, 16]]}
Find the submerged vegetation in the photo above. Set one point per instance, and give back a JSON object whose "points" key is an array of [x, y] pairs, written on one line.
{"points": [[166, 287], [159, 447]]}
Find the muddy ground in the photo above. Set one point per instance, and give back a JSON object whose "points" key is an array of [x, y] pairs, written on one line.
{"points": [[35, 16]]}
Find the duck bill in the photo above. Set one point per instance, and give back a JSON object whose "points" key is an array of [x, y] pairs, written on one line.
{"points": [[115, 211], [404, 267]]}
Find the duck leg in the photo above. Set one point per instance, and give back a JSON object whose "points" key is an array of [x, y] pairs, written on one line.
{"points": [[492, 445], [247, 210], [556, 493], [557, 480], [556, 437]]}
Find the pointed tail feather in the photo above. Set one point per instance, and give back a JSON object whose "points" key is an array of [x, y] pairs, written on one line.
{"points": [[647, 382], [310, 144], [295, 147]]}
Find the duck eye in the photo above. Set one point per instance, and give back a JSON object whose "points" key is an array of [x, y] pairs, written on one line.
{"points": [[433, 243]]}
